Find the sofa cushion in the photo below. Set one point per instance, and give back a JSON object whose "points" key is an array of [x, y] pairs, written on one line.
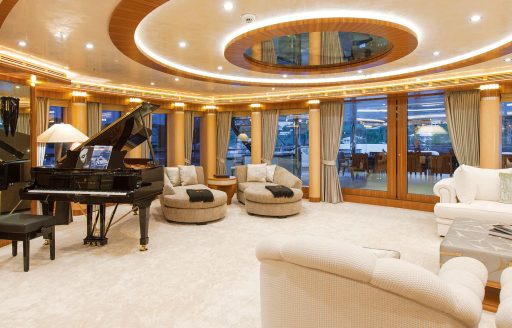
{"points": [[244, 185], [256, 172], [271, 170], [173, 173], [505, 187], [181, 200], [188, 175], [259, 194], [482, 210], [486, 182], [464, 186]]}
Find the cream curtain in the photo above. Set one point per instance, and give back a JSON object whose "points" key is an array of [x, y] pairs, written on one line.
{"points": [[93, 118], [145, 152], [268, 52], [330, 52], [463, 118], [223, 130], [23, 123], [43, 109], [269, 123], [189, 135], [331, 125]]}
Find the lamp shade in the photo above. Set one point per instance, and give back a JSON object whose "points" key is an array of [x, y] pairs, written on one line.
{"points": [[62, 133], [431, 130], [243, 137]]}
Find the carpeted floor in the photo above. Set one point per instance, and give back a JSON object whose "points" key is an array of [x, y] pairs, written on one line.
{"points": [[192, 276]]}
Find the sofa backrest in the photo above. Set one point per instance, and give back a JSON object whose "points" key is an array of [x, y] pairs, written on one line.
{"points": [[474, 183], [281, 176], [199, 173]]}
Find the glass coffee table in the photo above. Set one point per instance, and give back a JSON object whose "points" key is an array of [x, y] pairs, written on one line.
{"points": [[468, 237]]}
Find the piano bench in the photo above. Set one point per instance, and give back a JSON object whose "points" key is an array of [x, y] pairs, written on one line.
{"points": [[24, 227]]}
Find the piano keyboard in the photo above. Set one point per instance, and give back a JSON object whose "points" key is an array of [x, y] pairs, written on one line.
{"points": [[78, 192]]}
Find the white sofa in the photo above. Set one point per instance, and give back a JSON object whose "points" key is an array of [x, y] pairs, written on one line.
{"points": [[472, 193], [504, 314], [313, 282]]}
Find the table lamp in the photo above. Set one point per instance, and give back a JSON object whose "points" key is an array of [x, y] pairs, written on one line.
{"points": [[59, 134]]}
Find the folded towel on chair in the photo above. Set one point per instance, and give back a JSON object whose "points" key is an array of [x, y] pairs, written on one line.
{"points": [[200, 195], [280, 191]]}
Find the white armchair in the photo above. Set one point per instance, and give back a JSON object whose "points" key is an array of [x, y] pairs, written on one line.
{"points": [[313, 282], [504, 314]]}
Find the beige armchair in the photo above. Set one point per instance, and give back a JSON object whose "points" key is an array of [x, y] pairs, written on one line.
{"points": [[177, 207], [314, 282], [260, 201]]}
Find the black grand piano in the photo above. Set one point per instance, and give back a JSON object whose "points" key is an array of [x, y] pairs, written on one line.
{"points": [[124, 181]]}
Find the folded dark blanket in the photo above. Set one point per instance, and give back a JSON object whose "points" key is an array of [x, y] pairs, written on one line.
{"points": [[200, 195], [280, 191]]}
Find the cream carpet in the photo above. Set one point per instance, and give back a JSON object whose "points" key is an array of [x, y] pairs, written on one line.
{"points": [[192, 276]]}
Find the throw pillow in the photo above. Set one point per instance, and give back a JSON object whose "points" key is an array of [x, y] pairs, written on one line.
{"points": [[188, 175], [174, 175], [256, 172], [271, 170], [464, 185], [506, 188]]}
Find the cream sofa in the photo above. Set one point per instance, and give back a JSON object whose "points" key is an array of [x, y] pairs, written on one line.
{"points": [[260, 201], [314, 282], [472, 193], [177, 207], [504, 314]]}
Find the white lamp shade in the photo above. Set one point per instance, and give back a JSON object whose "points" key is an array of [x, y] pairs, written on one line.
{"points": [[243, 137], [62, 133]]}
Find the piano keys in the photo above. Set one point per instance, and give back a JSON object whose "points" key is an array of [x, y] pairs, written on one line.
{"points": [[125, 181]]}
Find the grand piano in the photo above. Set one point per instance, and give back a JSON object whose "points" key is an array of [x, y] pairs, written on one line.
{"points": [[125, 181]]}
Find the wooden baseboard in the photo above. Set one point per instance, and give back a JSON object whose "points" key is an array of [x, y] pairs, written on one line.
{"points": [[4, 242], [427, 207], [314, 199]]}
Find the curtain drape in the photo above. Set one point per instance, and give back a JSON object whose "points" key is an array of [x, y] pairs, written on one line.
{"points": [[331, 125], [268, 52], [93, 118], [223, 130], [23, 123], [43, 109], [145, 152], [189, 135], [330, 52], [269, 123], [463, 118]]}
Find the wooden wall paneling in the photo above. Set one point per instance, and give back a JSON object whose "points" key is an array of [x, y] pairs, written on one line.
{"points": [[413, 205], [402, 146], [392, 147]]}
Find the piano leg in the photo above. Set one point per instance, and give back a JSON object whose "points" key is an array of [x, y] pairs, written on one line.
{"points": [[89, 223], [103, 239], [144, 224], [47, 207]]}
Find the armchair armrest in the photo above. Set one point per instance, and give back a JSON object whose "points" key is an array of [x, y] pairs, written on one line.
{"points": [[168, 188], [504, 314], [241, 173], [285, 178], [445, 189]]}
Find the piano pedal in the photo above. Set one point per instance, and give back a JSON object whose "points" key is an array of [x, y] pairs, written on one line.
{"points": [[143, 248]]}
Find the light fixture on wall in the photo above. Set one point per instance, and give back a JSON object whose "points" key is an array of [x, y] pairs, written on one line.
{"points": [[79, 94], [33, 80], [210, 107], [179, 104], [492, 86], [255, 105], [135, 100], [313, 102]]}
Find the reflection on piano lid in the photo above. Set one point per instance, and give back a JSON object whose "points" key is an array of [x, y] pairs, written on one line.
{"points": [[14, 161]]}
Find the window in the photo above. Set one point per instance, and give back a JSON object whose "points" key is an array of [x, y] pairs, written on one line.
{"points": [[108, 117], [362, 158], [430, 154], [239, 149], [55, 116], [292, 145], [506, 141], [159, 137], [196, 142]]}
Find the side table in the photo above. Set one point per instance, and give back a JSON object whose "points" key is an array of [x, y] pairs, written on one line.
{"points": [[228, 185]]}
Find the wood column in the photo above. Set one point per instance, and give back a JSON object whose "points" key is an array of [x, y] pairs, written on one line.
{"points": [[315, 46], [209, 143], [256, 137], [79, 114], [314, 153], [176, 131], [490, 129], [33, 137]]}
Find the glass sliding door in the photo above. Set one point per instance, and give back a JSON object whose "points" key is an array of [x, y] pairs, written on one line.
{"points": [[196, 142], [363, 153], [430, 155], [239, 149], [506, 128], [159, 137], [292, 145]]}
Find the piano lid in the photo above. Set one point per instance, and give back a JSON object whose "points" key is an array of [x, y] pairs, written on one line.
{"points": [[125, 133]]}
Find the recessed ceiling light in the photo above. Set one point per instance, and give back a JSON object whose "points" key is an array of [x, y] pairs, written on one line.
{"points": [[219, 68], [284, 76], [475, 18], [436, 53], [418, 79], [22, 43], [60, 35], [152, 83], [228, 6], [17, 87], [176, 79], [508, 59], [273, 89], [360, 71], [89, 46], [182, 44]]}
